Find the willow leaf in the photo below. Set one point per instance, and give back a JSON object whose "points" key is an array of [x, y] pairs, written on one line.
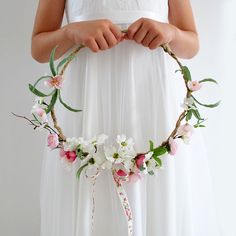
{"points": [[80, 170], [208, 80], [41, 78], [53, 101], [186, 73], [51, 63], [64, 61], [37, 92], [67, 106], [206, 105]]}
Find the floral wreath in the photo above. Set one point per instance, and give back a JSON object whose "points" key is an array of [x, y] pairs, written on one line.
{"points": [[125, 164]]}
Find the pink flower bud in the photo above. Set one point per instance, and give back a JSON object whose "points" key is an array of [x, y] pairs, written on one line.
{"points": [[53, 141], [121, 173], [134, 177], [139, 160], [194, 85], [41, 113], [173, 146], [62, 152], [186, 132], [71, 156]]}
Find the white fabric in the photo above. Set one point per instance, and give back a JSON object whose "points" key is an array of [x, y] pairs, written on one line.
{"points": [[132, 90]]}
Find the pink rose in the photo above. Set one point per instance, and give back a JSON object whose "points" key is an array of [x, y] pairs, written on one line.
{"points": [[139, 160], [53, 141], [173, 146], [55, 82], [71, 156], [194, 85]]}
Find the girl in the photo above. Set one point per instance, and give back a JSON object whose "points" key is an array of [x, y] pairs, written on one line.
{"points": [[124, 84]]}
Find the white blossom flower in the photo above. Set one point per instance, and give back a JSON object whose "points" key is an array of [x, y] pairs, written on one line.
{"points": [[124, 142], [111, 154], [101, 139], [152, 166], [188, 104], [71, 144], [146, 164]]}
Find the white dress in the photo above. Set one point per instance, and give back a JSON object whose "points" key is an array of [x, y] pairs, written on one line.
{"points": [[130, 90]]}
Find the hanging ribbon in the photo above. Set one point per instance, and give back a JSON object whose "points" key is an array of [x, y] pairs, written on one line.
{"points": [[122, 196], [93, 178], [125, 203]]}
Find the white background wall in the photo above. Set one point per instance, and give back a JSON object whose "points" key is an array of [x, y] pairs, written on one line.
{"points": [[21, 149]]}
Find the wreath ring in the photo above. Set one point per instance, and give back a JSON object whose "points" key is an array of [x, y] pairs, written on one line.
{"points": [[57, 138]]}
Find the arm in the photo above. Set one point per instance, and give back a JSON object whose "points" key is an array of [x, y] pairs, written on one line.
{"points": [[47, 33], [185, 43], [180, 33]]}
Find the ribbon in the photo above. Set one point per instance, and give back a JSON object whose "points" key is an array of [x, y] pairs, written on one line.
{"points": [[125, 203], [122, 197], [93, 178]]}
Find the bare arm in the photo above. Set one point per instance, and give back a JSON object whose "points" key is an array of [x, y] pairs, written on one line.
{"points": [[185, 43], [47, 33], [180, 32]]}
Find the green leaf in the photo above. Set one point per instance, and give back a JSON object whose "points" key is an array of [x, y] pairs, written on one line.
{"points": [[177, 70], [37, 92], [151, 145], [197, 115], [158, 160], [53, 101], [151, 172], [64, 61], [67, 106], [186, 73], [189, 115], [208, 80], [159, 151], [141, 168], [206, 105], [41, 78], [51, 62], [80, 170]]}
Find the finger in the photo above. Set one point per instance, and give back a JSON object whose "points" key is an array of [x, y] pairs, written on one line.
{"points": [[133, 28], [110, 38], [92, 44], [148, 38], [102, 43], [140, 34], [156, 42], [116, 31]]}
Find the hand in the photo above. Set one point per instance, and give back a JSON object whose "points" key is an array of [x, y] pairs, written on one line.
{"points": [[96, 34], [150, 33]]}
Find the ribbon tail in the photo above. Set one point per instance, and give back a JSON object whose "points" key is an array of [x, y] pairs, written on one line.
{"points": [[125, 205]]}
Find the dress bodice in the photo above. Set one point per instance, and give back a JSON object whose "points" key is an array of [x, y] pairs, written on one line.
{"points": [[119, 11]]}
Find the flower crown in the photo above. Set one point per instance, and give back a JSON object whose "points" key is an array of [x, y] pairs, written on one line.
{"points": [[126, 165]]}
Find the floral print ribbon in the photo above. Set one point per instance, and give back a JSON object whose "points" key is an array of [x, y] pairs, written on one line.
{"points": [[125, 203]]}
